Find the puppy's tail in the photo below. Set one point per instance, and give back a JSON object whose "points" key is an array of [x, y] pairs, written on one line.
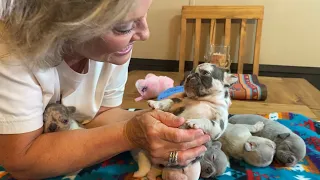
{"points": [[144, 165]]}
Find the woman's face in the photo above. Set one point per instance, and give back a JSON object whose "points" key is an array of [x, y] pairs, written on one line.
{"points": [[116, 45]]}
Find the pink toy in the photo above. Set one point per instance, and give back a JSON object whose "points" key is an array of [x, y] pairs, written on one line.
{"points": [[152, 86]]}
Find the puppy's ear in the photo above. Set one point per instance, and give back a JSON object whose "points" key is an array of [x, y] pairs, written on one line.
{"points": [[230, 78], [71, 109], [250, 146], [216, 144], [283, 135]]}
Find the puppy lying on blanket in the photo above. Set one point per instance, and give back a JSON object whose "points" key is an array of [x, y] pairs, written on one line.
{"points": [[290, 147], [204, 105], [238, 142]]}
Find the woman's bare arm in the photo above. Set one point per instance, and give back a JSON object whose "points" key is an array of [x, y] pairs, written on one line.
{"points": [[36, 156], [107, 116]]}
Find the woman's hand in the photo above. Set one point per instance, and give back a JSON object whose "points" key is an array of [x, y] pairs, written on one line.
{"points": [[157, 132]]}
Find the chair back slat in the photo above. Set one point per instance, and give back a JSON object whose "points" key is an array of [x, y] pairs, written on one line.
{"points": [[182, 54], [197, 43], [242, 45], [212, 31], [199, 13], [227, 32], [257, 43]]}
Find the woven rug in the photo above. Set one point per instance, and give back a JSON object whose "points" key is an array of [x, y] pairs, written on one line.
{"points": [[248, 87], [121, 166]]}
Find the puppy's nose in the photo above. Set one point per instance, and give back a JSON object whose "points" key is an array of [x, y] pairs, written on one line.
{"points": [[290, 159], [52, 127], [194, 79], [209, 171]]}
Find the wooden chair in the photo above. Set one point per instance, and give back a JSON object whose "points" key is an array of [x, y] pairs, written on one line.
{"points": [[213, 13], [295, 95], [200, 13]]}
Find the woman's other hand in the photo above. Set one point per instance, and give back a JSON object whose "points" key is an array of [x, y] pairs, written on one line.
{"points": [[157, 132]]}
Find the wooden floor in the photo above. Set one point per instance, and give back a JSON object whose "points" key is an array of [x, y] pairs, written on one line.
{"points": [[284, 95]]}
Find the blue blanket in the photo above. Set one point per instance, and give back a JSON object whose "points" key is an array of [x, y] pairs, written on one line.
{"points": [[122, 165]]}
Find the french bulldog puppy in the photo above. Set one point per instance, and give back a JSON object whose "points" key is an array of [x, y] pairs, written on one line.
{"points": [[215, 162], [238, 142], [290, 147], [57, 117], [204, 104]]}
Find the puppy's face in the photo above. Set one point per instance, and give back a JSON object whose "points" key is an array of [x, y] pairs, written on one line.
{"points": [[214, 162], [207, 79], [290, 149], [56, 118]]}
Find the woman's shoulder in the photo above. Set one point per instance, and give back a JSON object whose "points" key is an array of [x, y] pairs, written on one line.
{"points": [[15, 72]]}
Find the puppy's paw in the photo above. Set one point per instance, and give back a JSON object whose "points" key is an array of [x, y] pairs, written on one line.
{"points": [[153, 104], [194, 123], [163, 105], [259, 126]]}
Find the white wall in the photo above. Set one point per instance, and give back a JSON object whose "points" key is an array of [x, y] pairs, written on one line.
{"points": [[290, 31]]}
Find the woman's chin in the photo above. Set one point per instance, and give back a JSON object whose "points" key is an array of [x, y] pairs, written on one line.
{"points": [[119, 59]]}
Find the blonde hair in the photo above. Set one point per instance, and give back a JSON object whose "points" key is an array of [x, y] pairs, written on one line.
{"points": [[38, 30]]}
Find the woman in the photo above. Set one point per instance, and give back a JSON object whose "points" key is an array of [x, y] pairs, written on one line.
{"points": [[77, 53]]}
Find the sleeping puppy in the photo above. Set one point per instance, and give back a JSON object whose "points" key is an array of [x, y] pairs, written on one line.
{"points": [[290, 148], [238, 142], [215, 162], [204, 104]]}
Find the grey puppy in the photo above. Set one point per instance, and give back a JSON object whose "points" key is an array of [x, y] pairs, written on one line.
{"points": [[238, 142], [57, 117], [290, 147], [214, 162]]}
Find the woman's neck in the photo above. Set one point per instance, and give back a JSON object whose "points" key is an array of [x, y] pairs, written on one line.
{"points": [[76, 62]]}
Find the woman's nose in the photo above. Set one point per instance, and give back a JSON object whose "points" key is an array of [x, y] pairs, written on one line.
{"points": [[142, 32]]}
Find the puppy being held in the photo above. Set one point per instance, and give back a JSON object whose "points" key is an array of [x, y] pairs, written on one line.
{"points": [[204, 104], [57, 117]]}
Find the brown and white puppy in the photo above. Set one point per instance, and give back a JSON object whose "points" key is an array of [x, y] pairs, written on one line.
{"points": [[205, 101], [204, 104], [57, 117]]}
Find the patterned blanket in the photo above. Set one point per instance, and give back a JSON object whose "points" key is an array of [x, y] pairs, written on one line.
{"points": [[122, 166], [248, 87]]}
